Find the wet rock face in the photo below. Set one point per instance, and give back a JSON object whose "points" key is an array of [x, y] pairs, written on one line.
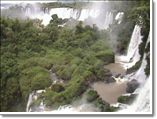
{"points": [[132, 86], [110, 80]]}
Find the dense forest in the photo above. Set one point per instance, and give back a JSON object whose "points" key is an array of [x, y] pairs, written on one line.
{"points": [[29, 51], [77, 55]]}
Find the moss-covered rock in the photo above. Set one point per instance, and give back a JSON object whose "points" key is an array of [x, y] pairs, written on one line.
{"points": [[127, 99]]}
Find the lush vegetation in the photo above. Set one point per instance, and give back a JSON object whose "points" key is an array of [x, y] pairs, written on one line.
{"points": [[29, 51], [76, 55]]}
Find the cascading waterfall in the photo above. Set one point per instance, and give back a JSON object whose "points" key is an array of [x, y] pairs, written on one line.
{"points": [[99, 15], [142, 103], [119, 17], [77, 14], [140, 73], [133, 55], [30, 99], [108, 19]]}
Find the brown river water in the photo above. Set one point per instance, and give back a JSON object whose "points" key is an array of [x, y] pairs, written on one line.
{"points": [[111, 91]]}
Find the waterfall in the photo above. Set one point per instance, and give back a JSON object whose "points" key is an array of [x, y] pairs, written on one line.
{"points": [[98, 15], [76, 14], [108, 19], [143, 101], [134, 44], [119, 17], [90, 16], [133, 55], [142, 104], [30, 99], [140, 75]]}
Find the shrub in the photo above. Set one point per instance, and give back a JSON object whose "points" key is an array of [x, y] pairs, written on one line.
{"points": [[91, 95], [57, 88]]}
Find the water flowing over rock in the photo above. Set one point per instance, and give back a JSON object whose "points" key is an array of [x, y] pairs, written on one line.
{"points": [[108, 19], [90, 16], [99, 15], [29, 101], [140, 75], [133, 55], [33, 97], [119, 17], [143, 101]]}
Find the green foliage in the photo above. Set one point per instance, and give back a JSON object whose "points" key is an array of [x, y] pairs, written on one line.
{"points": [[57, 88], [106, 56], [91, 95], [122, 99], [127, 99], [134, 68], [29, 51], [76, 55], [102, 105]]}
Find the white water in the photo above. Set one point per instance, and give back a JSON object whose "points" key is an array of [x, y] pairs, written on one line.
{"points": [[119, 17], [63, 13], [92, 16], [30, 99], [139, 75], [79, 108], [133, 55], [108, 19], [143, 101]]}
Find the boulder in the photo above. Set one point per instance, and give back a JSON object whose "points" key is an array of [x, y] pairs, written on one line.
{"points": [[117, 75], [127, 99], [132, 86], [109, 80]]}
